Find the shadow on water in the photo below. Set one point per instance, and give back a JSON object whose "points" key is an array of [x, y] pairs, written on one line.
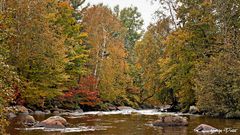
{"points": [[119, 124]]}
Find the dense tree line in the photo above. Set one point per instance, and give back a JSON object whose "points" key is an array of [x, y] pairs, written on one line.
{"points": [[200, 61], [53, 54]]}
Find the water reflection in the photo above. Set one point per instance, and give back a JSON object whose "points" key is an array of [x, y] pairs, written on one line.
{"points": [[115, 123]]}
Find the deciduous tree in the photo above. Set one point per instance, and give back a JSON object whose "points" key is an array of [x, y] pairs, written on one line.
{"points": [[108, 56]]}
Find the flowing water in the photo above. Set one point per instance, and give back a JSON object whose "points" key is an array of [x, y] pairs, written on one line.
{"points": [[128, 122]]}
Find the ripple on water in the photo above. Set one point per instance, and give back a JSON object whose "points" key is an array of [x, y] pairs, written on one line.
{"points": [[67, 130]]}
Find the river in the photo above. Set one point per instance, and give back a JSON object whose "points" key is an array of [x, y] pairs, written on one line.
{"points": [[126, 122]]}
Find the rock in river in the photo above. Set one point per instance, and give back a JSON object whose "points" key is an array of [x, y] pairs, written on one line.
{"points": [[171, 120], [11, 115], [39, 113], [193, 110], [112, 108], [53, 122], [78, 111], [47, 111], [27, 119], [56, 112], [204, 128], [124, 108]]}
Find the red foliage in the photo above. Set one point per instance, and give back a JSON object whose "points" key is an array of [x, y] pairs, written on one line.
{"points": [[17, 95], [85, 94]]}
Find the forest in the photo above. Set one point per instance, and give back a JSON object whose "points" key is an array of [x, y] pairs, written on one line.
{"points": [[55, 54]]}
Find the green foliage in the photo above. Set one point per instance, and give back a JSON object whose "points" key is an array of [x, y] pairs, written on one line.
{"points": [[186, 46], [218, 87], [147, 51], [200, 61], [76, 54], [124, 100], [131, 19], [218, 77]]}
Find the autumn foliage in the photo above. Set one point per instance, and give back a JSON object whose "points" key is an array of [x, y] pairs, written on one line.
{"points": [[86, 94], [67, 54]]}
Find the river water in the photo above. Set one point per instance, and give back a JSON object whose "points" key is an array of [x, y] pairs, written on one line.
{"points": [[127, 122]]}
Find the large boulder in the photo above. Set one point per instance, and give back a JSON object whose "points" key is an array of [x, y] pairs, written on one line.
{"points": [[171, 120], [27, 119], [193, 110], [204, 128], [53, 122]]}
